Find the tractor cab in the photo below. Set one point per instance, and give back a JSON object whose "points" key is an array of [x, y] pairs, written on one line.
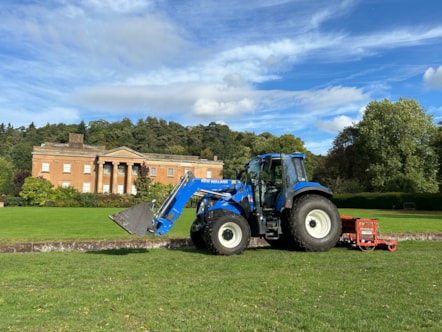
{"points": [[273, 179]]}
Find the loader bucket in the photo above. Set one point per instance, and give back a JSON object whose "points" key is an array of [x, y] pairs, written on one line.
{"points": [[137, 220]]}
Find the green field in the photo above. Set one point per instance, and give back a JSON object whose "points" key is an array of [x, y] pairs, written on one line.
{"points": [[33, 224], [190, 290]]}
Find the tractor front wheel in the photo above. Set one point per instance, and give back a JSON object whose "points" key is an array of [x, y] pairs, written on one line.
{"points": [[315, 224], [228, 235]]}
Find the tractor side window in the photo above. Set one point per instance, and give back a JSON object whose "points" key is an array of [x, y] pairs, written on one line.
{"points": [[277, 175], [300, 170]]}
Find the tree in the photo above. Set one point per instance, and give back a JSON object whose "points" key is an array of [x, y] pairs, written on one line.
{"points": [[6, 176], [37, 191], [237, 161], [19, 180], [148, 191], [218, 139], [438, 148], [396, 138], [21, 156], [143, 183], [343, 169]]}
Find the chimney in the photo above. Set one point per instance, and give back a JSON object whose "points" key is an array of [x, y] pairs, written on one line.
{"points": [[76, 141]]}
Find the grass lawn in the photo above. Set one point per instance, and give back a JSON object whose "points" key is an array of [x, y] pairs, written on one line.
{"points": [[189, 290], [34, 224]]}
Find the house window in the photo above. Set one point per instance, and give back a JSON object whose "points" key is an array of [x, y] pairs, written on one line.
{"points": [[135, 170], [121, 169], [209, 174], [65, 184], [106, 188], [86, 187], [87, 169], [170, 172], [45, 167], [66, 168], [120, 189], [134, 189], [153, 171], [107, 169]]}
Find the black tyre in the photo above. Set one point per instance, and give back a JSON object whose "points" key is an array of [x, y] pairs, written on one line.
{"points": [[197, 234], [228, 235], [315, 223]]}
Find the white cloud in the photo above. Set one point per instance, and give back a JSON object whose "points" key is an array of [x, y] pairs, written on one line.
{"points": [[336, 124], [211, 108], [433, 77], [331, 97], [118, 6], [239, 63]]}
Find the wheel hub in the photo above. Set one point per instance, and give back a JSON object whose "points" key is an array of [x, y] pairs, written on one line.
{"points": [[227, 234], [318, 223]]}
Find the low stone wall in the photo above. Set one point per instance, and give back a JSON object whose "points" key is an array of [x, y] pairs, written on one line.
{"points": [[91, 246]]}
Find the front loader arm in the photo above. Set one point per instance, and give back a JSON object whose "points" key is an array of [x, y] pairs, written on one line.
{"points": [[142, 219]]}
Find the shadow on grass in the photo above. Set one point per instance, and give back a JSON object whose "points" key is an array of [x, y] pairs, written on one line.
{"points": [[194, 251], [118, 252], [206, 252]]}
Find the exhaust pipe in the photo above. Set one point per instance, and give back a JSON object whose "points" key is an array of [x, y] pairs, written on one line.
{"points": [[137, 220]]}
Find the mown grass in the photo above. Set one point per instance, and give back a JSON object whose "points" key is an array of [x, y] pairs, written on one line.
{"points": [[32, 224], [189, 290]]}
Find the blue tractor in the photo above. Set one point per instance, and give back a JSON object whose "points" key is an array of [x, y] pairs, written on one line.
{"points": [[271, 198]]}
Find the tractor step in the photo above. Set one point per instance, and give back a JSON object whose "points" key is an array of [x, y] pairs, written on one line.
{"points": [[272, 229]]}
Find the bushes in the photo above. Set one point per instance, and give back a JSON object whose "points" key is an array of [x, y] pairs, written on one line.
{"points": [[37, 191], [423, 201], [13, 201]]}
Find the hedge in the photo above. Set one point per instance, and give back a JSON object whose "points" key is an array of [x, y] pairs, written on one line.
{"points": [[429, 202]]}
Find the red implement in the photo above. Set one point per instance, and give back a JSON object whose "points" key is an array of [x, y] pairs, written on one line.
{"points": [[363, 233]]}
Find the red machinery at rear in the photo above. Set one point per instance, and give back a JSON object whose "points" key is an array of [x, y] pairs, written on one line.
{"points": [[363, 233]]}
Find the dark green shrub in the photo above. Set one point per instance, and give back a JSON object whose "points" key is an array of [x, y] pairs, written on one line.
{"points": [[88, 200], [14, 201], [431, 202]]}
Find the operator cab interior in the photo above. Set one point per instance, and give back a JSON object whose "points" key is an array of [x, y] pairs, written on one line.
{"points": [[270, 174]]}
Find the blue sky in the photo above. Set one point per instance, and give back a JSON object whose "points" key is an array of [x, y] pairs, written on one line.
{"points": [[300, 67]]}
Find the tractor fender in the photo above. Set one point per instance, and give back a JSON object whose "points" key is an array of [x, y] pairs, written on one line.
{"points": [[305, 190], [227, 206]]}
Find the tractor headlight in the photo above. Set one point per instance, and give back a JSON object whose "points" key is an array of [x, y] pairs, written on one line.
{"points": [[201, 206]]}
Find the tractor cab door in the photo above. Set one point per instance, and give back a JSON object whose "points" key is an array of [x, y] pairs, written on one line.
{"points": [[266, 179], [274, 179]]}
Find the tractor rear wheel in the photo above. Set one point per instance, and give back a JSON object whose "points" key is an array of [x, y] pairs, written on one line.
{"points": [[315, 223], [228, 235], [197, 234]]}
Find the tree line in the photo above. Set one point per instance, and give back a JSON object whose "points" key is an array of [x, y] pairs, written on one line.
{"points": [[395, 147]]}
